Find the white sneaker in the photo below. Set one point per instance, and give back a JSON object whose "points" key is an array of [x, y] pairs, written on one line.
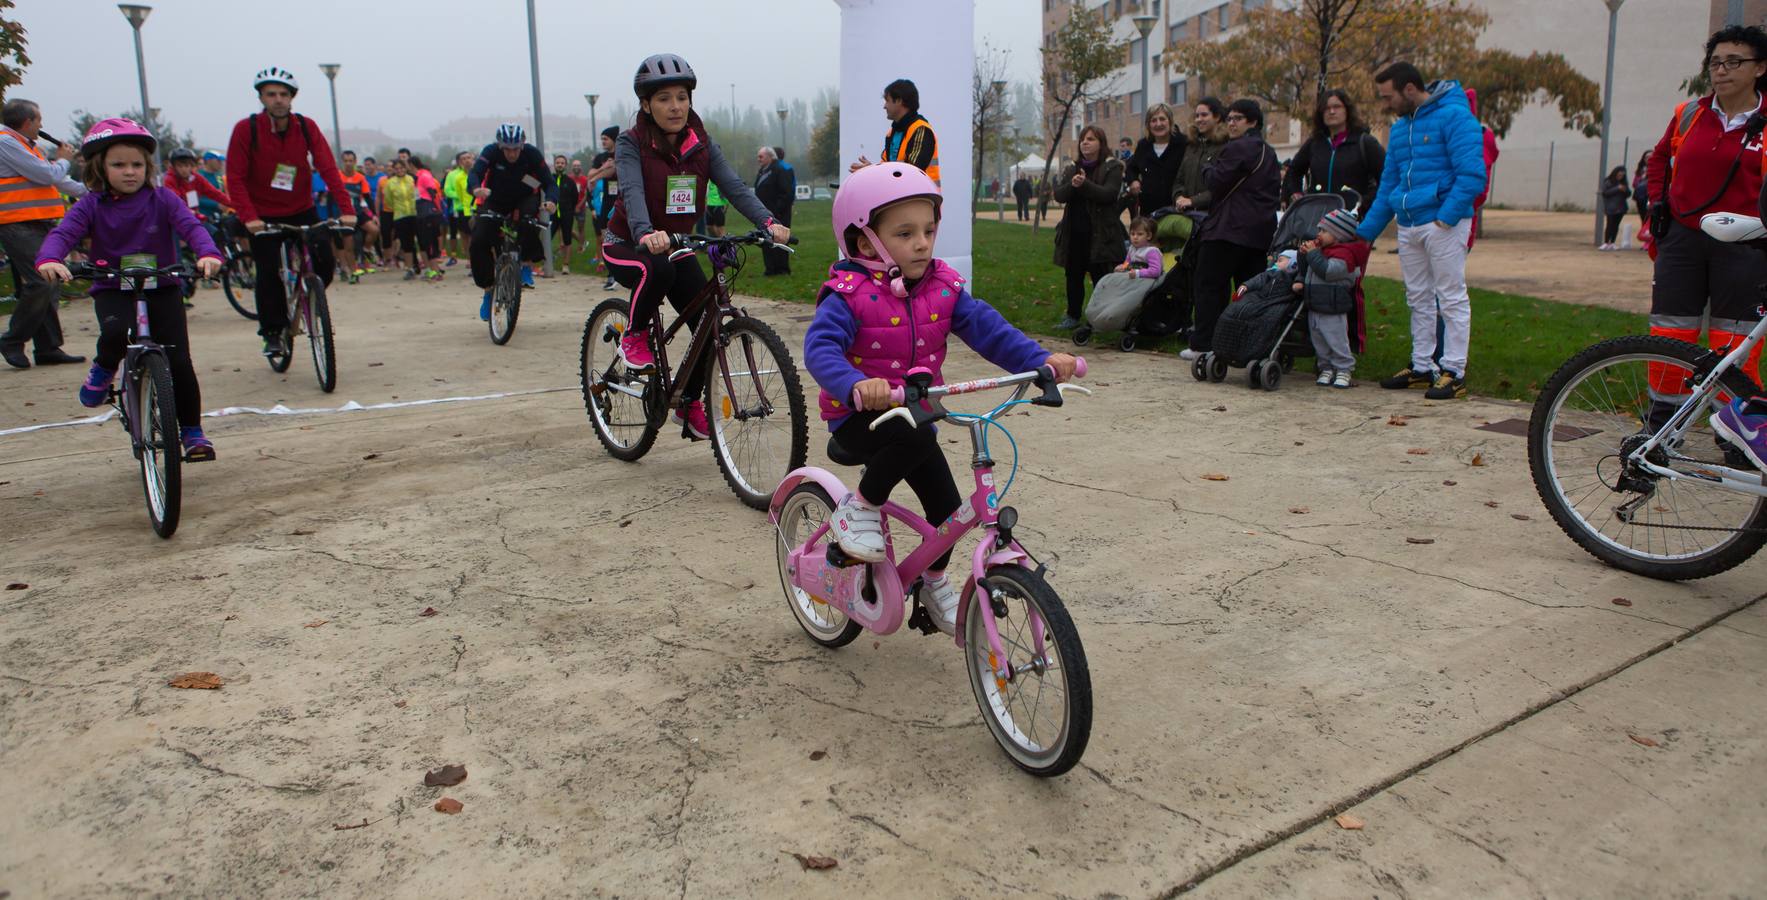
{"points": [[1188, 354], [940, 598], [1324, 379], [859, 528], [1340, 379]]}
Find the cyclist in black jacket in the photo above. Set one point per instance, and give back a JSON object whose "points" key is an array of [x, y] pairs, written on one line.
{"points": [[509, 175]]}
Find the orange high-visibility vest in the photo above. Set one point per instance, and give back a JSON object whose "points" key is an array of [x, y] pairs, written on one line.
{"points": [[932, 170], [23, 200]]}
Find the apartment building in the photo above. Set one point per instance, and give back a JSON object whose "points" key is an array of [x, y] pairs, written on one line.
{"points": [[564, 134]]}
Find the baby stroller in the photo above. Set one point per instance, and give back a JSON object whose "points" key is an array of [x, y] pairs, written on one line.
{"points": [[1128, 303], [1259, 333]]}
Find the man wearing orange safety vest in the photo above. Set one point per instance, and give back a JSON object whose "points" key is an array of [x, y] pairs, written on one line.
{"points": [[31, 186], [911, 137]]}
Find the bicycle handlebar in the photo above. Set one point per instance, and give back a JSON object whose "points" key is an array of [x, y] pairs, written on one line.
{"points": [[275, 228], [918, 389], [91, 271], [689, 244]]}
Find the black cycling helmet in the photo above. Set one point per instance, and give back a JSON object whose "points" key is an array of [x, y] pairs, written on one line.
{"points": [[660, 71], [182, 153]]}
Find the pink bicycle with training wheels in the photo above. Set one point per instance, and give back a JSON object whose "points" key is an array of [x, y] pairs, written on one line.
{"points": [[1020, 646]]}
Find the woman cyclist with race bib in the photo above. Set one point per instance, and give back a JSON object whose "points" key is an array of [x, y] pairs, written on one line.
{"points": [[664, 161]]}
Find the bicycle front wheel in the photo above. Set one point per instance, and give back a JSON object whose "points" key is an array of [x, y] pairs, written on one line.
{"points": [[620, 403], [238, 281], [319, 335], [506, 300], [1038, 701], [1593, 413], [157, 440], [755, 401]]}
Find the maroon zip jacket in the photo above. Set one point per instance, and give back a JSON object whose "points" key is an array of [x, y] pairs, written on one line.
{"points": [[1707, 153], [250, 173]]}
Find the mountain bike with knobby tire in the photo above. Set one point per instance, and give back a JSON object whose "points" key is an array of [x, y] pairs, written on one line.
{"points": [[754, 399], [143, 395], [506, 285], [1020, 646], [309, 312], [1623, 452], [239, 272]]}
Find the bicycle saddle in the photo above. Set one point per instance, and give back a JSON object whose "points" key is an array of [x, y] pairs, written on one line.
{"points": [[840, 455], [1732, 228]]}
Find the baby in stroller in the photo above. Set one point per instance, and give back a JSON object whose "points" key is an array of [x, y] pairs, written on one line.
{"points": [[1117, 298]]}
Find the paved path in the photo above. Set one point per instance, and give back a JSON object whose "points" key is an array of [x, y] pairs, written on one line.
{"points": [[613, 662]]}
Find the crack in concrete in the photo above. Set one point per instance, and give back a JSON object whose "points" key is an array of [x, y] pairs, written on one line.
{"points": [[1278, 836], [632, 512], [1501, 859], [198, 762], [1221, 596], [503, 538], [909, 723], [864, 819], [1134, 795], [348, 562], [521, 596], [52, 684]]}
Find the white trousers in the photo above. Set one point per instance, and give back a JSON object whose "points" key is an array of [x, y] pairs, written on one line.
{"points": [[1432, 260]]}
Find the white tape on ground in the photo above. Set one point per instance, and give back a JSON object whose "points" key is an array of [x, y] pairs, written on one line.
{"points": [[280, 410]]}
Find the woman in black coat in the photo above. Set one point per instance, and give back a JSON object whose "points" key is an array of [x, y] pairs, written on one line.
{"points": [[1340, 155], [1245, 182], [1153, 168], [1090, 238]]}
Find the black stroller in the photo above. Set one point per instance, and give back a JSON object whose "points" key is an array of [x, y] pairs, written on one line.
{"points": [[1133, 306], [1266, 335]]}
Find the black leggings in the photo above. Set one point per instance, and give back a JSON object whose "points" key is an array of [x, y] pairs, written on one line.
{"points": [[165, 321], [487, 240], [651, 277], [895, 453], [1077, 275], [271, 296], [1614, 221], [1219, 266]]}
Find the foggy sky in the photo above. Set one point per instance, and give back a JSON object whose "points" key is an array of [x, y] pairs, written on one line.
{"points": [[411, 65]]}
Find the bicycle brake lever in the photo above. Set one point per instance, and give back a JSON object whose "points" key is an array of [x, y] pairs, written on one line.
{"points": [[1064, 387], [903, 412]]}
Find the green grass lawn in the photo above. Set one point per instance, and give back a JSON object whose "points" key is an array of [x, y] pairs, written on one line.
{"points": [[1517, 341]]}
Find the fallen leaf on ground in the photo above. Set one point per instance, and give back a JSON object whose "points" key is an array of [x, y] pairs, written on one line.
{"points": [[876, 644], [1220, 409], [1449, 483], [428, 611], [1299, 510], [301, 532], [1643, 741], [1349, 822], [1420, 540], [1417, 451], [375, 365], [1521, 517], [1397, 420], [818, 755], [199, 681], [1214, 476], [17, 586], [446, 776], [1478, 459], [1300, 443], [1620, 601], [399, 704], [315, 623], [372, 456], [448, 805], [230, 618], [1492, 503], [363, 824], [625, 523], [813, 862]]}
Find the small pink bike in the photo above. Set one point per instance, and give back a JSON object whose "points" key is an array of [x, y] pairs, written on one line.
{"points": [[1023, 655]]}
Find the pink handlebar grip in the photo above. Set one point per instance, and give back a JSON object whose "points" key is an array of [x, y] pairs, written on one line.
{"points": [[897, 397], [1079, 367]]}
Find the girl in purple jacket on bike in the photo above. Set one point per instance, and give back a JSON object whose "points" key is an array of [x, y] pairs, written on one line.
{"points": [[886, 309], [132, 223]]}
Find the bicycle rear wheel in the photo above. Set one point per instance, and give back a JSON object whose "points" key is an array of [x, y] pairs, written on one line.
{"points": [[623, 406], [238, 279], [1041, 715], [506, 299], [319, 335], [157, 442], [806, 509], [760, 429], [1597, 409]]}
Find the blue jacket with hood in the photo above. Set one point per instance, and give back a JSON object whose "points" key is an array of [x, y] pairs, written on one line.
{"points": [[1435, 164]]}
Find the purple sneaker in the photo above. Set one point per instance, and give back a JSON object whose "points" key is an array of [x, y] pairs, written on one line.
{"points": [[1743, 424], [97, 387], [197, 447]]}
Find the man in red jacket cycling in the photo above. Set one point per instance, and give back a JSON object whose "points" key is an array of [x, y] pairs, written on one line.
{"points": [[270, 163]]}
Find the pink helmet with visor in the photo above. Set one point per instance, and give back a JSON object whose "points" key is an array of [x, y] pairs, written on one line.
{"points": [[110, 131], [858, 201]]}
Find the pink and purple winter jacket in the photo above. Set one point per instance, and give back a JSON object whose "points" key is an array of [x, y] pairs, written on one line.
{"points": [[143, 222], [1150, 258], [863, 330]]}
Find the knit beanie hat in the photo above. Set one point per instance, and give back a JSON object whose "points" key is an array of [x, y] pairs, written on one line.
{"points": [[1340, 224]]}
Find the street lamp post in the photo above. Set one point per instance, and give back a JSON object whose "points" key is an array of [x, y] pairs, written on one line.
{"points": [[1144, 24], [337, 134], [593, 130], [1607, 108], [137, 16], [539, 118], [781, 111], [1000, 149]]}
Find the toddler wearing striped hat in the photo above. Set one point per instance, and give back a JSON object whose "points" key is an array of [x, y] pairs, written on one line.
{"points": [[1336, 260]]}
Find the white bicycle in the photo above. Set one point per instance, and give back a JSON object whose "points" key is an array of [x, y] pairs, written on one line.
{"points": [[1625, 458]]}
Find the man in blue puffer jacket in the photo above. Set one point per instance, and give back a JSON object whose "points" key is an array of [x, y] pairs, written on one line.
{"points": [[1435, 167]]}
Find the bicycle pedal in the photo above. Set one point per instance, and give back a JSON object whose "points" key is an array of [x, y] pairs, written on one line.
{"points": [[839, 559], [921, 620]]}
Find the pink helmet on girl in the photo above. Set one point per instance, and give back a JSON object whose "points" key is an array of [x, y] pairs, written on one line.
{"points": [[110, 131], [857, 203]]}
